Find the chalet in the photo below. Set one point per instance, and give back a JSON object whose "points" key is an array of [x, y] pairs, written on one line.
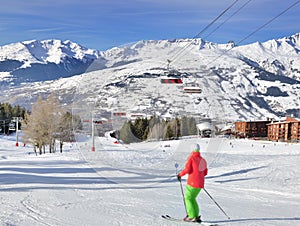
{"points": [[252, 128], [288, 130], [205, 129]]}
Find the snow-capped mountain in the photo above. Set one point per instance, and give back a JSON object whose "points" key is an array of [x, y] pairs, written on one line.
{"points": [[48, 51], [32, 61], [253, 81]]}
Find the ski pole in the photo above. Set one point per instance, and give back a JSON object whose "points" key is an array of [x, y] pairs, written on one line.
{"points": [[176, 166], [216, 203]]}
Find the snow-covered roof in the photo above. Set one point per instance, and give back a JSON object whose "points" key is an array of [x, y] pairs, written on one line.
{"points": [[227, 127], [205, 126]]}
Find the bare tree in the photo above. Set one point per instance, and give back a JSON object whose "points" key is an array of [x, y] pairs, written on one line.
{"points": [[66, 129], [53, 114], [41, 126], [33, 128]]}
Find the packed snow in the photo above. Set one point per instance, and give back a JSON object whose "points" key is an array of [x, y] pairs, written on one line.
{"points": [[255, 182]]}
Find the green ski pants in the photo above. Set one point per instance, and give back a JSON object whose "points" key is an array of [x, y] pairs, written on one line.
{"points": [[192, 207]]}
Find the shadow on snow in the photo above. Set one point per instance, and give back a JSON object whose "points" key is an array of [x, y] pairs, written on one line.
{"points": [[257, 219], [70, 177]]}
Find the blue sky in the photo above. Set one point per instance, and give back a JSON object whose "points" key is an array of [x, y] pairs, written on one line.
{"points": [[102, 24]]}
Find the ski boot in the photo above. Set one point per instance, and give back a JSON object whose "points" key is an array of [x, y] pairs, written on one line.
{"points": [[190, 219], [198, 219]]}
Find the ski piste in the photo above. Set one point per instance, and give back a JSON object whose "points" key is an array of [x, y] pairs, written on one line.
{"points": [[167, 217]]}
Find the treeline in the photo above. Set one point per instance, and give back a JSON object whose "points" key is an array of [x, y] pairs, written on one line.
{"points": [[48, 123], [7, 114], [156, 129]]}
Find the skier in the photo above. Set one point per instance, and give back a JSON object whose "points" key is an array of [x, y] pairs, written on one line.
{"points": [[196, 168]]}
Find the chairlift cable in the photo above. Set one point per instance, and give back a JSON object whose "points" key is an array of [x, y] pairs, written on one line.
{"points": [[256, 30], [268, 22], [238, 10], [201, 32]]}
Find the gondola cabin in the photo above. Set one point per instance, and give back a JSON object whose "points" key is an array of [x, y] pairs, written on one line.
{"points": [[191, 90], [170, 80], [119, 114]]}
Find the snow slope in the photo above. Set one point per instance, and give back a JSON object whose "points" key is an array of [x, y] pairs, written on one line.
{"points": [[255, 182]]}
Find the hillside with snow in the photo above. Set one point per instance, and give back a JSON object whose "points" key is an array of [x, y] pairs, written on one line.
{"points": [[249, 82]]}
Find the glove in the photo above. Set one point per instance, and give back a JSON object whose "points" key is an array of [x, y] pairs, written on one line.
{"points": [[179, 177]]}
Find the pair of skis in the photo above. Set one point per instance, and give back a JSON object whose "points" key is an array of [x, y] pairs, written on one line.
{"points": [[167, 217]]}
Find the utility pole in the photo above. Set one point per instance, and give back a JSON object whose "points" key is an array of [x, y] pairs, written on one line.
{"points": [[17, 132], [17, 119], [93, 132]]}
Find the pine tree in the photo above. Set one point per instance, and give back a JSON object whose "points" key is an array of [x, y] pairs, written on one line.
{"points": [[154, 125], [192, 125], [65, 129], [184, 126], [140, 128], [126, 133], [176, 128], [169, 132]]}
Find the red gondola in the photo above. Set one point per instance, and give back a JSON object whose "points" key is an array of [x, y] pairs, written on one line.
{"points": [[169, 80]]}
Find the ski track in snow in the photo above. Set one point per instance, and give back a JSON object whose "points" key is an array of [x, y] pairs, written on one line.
{"points": [[255, 182]]}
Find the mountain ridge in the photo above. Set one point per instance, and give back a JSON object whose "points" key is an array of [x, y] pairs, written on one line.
{"points": [[245, 82]]}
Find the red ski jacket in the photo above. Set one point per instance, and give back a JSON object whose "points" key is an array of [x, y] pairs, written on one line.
{"points": [[196, 168]]}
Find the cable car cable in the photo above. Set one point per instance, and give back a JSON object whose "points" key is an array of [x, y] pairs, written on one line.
{"points": [[256, 30], [238, 10], [268, 22], [202, 31]]}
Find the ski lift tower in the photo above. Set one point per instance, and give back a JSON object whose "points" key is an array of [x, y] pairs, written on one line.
{"points": [[169, 62]]}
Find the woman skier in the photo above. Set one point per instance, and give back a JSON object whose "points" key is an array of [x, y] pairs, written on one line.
{"points": [[196, 168]]}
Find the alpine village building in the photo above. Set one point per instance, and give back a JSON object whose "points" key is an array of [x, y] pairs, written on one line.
{"points": [[286, 130]]}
